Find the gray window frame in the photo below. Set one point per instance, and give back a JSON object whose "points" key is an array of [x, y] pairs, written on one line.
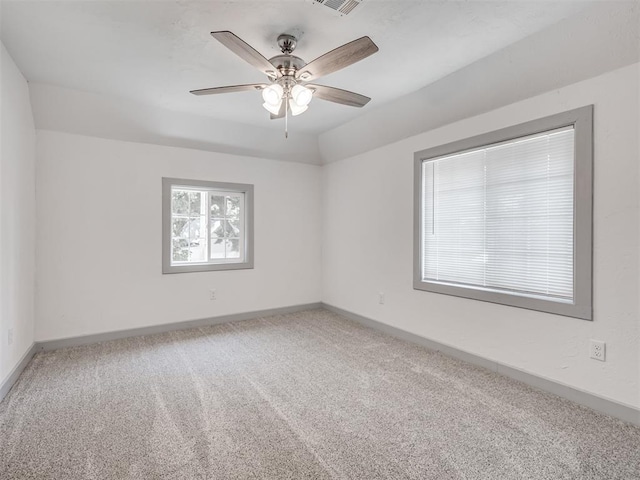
{"points": [[246, 189], [582, 121]]}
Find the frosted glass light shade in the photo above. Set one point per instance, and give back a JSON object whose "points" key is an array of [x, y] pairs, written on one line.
{"points": [[297, 109], [301, 95], [275, 109], [272, 94]]}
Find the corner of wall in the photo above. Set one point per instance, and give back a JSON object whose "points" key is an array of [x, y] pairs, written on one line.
{"points": [[17, 218]]}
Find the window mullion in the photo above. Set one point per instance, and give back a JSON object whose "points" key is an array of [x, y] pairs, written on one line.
{"points": [[224, 225], [208, 222]]}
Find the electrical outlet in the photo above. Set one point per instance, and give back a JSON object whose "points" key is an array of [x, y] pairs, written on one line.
{"points": [[597, 350], [212, 294], [10, 336], [381, 298]]}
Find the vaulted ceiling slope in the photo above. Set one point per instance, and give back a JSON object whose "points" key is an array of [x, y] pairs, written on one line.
{"points": [[123, 69], [595, 41]]}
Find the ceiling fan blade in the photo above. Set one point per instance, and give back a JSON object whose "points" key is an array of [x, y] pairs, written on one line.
{"points": [[281, 113], [229, 89], [338, 95], [246, 52], [337, 59]]}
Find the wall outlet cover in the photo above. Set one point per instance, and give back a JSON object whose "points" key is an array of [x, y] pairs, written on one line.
{"points": [[597, 350]]}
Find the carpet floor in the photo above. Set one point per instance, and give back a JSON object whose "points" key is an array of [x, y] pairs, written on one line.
{"points": [[309, 395]]}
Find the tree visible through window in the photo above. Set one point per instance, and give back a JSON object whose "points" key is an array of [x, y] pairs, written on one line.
{"points": [[209, 225]]}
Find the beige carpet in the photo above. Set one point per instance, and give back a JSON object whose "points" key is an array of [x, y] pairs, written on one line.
{"points": [[301, 396]]}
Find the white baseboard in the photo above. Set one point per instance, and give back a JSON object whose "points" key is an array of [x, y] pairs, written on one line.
{"points": [[136, 332], [628, 413], [8, 382]]}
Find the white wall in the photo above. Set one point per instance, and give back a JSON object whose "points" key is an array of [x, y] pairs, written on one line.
{"points": [[599, 39], [85, 113], [367, 248], [17, 215], [99, 238]]}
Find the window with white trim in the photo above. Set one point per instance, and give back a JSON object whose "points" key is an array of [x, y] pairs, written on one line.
{"points": [[506, 217], [207, 225]]}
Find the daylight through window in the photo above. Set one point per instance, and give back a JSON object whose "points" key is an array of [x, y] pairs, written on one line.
{"points": [[208, 225], [498, 221]]}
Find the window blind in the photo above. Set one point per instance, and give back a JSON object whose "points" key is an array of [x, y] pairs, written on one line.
{"points": [[500, 217]]}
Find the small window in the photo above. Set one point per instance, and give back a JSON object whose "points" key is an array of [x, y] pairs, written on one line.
{"points": [[206, 226], [506, 217]]}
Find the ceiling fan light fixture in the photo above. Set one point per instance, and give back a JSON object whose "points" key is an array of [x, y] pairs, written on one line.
{"points": [[297, 109], [288, 90], [301, 95], [272, 95], [274, 109]]}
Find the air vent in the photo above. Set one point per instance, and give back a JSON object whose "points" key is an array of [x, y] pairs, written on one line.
{"points": [[338, 7]]}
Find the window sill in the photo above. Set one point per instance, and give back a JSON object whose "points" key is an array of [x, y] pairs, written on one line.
{"points": [[207, 267]]}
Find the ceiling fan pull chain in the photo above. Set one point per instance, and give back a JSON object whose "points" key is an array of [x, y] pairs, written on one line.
{"points": [[286, 115]]}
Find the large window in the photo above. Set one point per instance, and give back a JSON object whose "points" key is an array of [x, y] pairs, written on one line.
{"points": [[505, 217], [206, 226]]}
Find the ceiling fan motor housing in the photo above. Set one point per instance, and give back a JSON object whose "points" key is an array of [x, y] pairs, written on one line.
{"points": [[287, 65]]}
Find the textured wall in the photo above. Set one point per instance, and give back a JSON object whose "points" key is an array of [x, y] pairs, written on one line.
{"points": [[367, 248], [99, 239], [17, 216]]}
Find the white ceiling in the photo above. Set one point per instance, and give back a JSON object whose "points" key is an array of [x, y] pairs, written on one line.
{"points": [[154, 52]]}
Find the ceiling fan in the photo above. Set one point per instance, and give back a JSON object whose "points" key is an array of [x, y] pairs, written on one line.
{"points": [[289, 89]]}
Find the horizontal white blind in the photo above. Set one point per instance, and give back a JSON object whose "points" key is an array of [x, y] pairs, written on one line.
{"points": [[500, 218]]}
